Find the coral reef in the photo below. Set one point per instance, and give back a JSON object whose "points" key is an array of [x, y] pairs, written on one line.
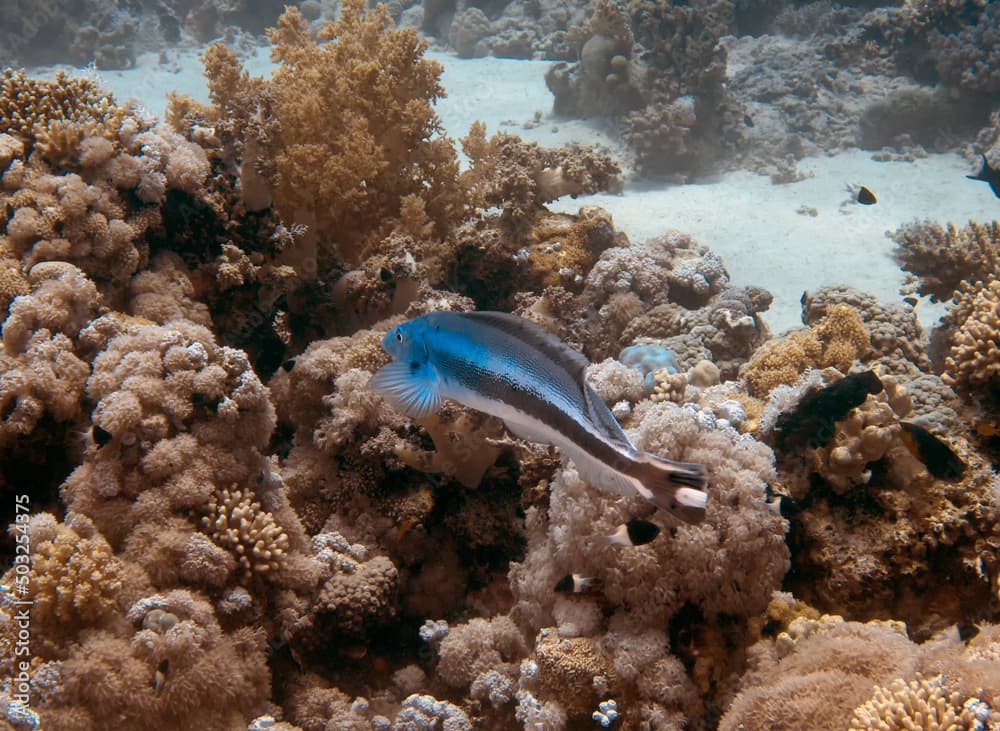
{"points": [[218, 525]]}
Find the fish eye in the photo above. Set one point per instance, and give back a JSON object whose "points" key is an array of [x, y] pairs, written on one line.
{"points": [[399, 335]]}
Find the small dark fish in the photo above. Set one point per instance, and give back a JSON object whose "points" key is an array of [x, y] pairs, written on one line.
{"points": [[101, 436], [634, 533], [574, 584], [747, 120], [989, 175], [813, 422], [866, 197], [939, 458]]}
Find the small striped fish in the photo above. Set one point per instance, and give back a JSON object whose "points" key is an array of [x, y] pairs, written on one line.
{"points": [[511, 368]]}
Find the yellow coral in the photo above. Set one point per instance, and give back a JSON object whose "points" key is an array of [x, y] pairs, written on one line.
{"points": [[844, 337], [781, 362], [74, 579], [669, 386], [238, 523], [837, 340], [917, 704]]}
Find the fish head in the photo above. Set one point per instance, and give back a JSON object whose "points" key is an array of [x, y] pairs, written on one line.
{"points": [[406, 342]]}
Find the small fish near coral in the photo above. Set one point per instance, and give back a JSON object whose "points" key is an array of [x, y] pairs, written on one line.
{"points": [[575, 584], [812, 422], [635, 532], [511, 368], [938, 457], [990, 175]]}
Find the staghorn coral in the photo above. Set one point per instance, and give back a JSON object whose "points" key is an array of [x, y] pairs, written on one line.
{"points": [[942, 257], [39, 112]]}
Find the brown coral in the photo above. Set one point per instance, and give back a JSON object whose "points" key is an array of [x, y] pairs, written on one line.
{"points": [[57, 114], [353, 130], [942, 257]]}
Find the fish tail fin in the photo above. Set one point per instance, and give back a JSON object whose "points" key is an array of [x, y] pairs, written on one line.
{"points": [[983, 173], [677, 487]]}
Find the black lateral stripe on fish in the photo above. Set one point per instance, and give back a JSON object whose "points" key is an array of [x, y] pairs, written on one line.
{"points": [[988, 175], [938, 457], [510, 367]]}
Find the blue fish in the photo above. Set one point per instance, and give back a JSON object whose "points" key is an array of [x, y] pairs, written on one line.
{"points": [[511, 368]]}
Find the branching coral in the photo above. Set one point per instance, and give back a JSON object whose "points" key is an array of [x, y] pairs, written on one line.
{"points": [[353, 130], [974, 361], [37, 112], [920, 703], [942, 257], [237, 523], [521, 176]]}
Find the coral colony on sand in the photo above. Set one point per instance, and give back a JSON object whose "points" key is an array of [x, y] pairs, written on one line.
{"points": [[216, 524]]}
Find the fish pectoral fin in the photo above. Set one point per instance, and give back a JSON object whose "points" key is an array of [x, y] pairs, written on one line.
{"points": [[412, 388]]}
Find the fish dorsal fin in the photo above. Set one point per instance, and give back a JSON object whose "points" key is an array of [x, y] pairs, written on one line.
{"points": [[601, 415], [411, 387], [534, 335]]}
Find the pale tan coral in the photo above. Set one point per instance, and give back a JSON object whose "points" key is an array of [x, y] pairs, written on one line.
{"points": [[467, 444], [864, 436], [669, 386], [237, 522], [45, 377], [164, 292], [361, 595], [567, 669], [480, 646], [974, 359], [919, 703], [684, 564], [63, 304], [50, 111]]}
